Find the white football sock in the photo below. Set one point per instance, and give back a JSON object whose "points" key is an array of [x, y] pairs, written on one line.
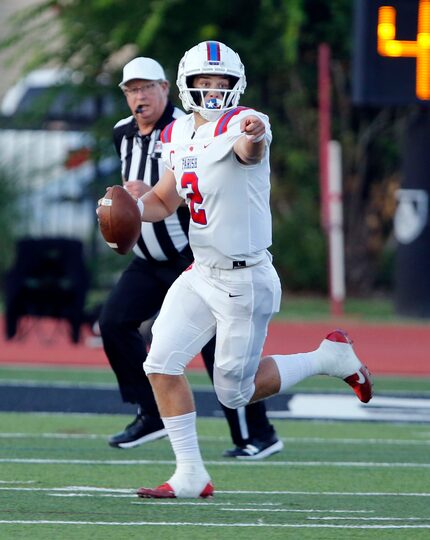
{"points": [[331, 358], [183, 438], [293, 368], [190, 477]]}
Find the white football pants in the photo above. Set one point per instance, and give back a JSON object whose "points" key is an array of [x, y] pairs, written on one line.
{"points": [[237, 306]]}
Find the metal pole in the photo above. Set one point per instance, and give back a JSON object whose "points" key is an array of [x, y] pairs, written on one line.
{"points": [[335, 230], [324, 126], [330, 171]]}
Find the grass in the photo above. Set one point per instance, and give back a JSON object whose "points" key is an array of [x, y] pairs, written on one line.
{"points": [[312, 307], [301, 307], [103, 376], [333, 481], [91, 376], [372, 309]]}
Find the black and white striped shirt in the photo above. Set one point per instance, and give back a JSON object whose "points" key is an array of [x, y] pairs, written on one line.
{"points": [[141, 160]]}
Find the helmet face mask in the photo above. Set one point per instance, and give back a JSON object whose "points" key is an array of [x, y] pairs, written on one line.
{"points": [[210, 58]]}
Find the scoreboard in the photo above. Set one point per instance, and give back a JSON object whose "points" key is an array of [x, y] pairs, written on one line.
{"points": [[391, 52]]}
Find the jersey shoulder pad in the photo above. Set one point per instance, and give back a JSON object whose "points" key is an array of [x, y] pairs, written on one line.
{"points": [[223, 122], [166, 134]]}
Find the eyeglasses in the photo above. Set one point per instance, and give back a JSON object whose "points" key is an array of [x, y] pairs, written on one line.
{"points": [[143, 89]]}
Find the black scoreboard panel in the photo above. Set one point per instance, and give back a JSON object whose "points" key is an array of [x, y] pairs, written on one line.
{"points": [[391, 52]]}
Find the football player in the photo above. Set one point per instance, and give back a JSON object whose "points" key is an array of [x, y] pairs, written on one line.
{"points": [[217, 160], [161, 254]]}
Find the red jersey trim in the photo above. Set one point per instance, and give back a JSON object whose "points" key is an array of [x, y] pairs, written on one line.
{"points": [[166, 134], [222, 124]]}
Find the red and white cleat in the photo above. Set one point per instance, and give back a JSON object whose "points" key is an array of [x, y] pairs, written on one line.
{"points": [[165, 491], [345, 364]]}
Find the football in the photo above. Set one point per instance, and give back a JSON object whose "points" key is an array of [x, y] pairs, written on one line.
{"points": [[119, 219]]}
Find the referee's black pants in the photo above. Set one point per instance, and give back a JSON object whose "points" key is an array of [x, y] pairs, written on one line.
{"points": [[137, 297]]}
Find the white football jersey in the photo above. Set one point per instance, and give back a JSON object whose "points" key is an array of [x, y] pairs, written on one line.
{"points": [[228, 201]]}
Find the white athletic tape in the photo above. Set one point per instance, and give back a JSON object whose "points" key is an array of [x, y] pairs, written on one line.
{"points": [[253, 139], [141, 206], [106, 202], [112, 245]]}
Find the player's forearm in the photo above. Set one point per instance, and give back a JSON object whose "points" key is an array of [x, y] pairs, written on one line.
{"points": [[137, 188], [153, 208], [248, 151]]}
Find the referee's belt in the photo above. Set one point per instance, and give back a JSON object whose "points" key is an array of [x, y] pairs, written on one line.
{"points": [[239, 264]]}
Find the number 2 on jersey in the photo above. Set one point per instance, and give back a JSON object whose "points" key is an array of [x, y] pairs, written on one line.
{"points": [[190, 180]]}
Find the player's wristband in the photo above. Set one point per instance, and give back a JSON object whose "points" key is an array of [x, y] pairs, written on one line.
{"points": [[141, 206], [251, 138]]}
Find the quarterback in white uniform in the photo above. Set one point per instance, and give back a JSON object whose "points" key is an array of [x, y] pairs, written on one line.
{"points": [[228, 199], [217, 160]]}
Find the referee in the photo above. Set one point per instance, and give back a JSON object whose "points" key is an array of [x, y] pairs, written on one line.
{"points": [[161, 254]]}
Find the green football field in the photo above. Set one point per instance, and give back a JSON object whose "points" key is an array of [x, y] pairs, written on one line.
{"points": [[333, 480]]}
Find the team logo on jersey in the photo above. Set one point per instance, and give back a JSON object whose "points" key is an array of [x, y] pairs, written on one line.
{"points": [[189, 162]]}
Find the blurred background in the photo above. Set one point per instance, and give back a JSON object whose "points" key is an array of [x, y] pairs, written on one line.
{"points": [[316, 67]]}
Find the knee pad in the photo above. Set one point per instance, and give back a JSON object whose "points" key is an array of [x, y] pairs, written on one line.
{"points": [[232, 401], [170, 363], [231, 391]]}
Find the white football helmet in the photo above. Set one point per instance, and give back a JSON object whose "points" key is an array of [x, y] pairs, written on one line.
{"points": [[210, 58]]}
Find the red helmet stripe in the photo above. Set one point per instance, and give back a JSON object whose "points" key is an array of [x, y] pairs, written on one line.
{"points": [[214, 52]]}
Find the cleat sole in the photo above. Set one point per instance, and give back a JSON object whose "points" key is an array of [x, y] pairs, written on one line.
{"points": [[165, 491]]}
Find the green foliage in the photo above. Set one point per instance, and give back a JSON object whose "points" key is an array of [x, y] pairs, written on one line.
{"points": [[278, 42], [9, 217], [299, 249]]}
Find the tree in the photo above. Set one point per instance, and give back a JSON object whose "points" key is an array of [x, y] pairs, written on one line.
{"points": [[278, 42]]}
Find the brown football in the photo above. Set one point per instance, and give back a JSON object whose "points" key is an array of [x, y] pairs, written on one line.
{"points": [[119, 219]]}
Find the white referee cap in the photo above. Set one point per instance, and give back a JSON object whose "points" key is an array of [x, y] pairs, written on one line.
{"points": [[142, 68]]}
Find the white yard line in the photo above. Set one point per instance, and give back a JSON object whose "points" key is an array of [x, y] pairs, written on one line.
{"points": [[128, 491], [79, 436], [258, 524], [59, 384], [331, 493], [368, 522], [373, 518], [299, 440], [232, 463], [306, 511], [17, 482]]}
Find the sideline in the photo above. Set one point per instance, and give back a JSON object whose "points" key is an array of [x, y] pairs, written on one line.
{"points": [[299, 406]]}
